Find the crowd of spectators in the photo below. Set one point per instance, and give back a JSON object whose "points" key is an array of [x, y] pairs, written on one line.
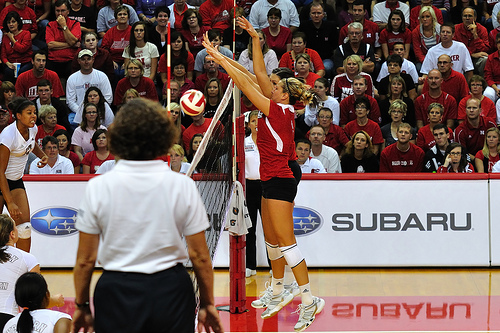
{"points": [[386, 74]]}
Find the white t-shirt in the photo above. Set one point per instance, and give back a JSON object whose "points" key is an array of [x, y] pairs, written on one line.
{"points": [[19, 148], [77, 86], [252, 159], [63, 166], [329, 158], [312, 165], [141, 210], [105, 167], [144, 55], [270, 60], [458, 53], [44, 320], [20, 262], [381, 12]]}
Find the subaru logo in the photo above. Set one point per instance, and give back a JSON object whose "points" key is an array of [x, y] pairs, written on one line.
{"points": [[54, 221], [305, 221]]}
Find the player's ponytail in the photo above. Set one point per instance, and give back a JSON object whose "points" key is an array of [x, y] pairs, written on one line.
{"points": [[31, 294], [6, 227], [298, 91]]}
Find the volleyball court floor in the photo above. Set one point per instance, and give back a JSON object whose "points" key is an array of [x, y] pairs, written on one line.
{"points": [[362, 300]]}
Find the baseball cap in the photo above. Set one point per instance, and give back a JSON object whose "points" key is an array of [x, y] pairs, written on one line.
{"points": [[85, 52]]}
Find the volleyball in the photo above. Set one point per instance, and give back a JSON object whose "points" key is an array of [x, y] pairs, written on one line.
{"points": [[193, 102]]}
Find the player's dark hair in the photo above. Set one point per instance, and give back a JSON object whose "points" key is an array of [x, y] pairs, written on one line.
{"points": [[31, 294], [19, 104], [6, 227], [283, 72]]}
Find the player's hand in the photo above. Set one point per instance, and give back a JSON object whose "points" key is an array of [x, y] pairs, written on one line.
{"points": [[208, 318], [82, 318], [43, 161], [58, 300], [14, 211], [245, 24]]}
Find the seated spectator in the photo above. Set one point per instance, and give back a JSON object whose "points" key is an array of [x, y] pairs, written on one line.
{"points": [[396, 31], [56, 164], [335, 135], [27, 15], [117, 38], [63, 37], [426, 35], [426, 137], [362, 123], [241, 36], [289, 14], [454, 83], [492, 35], [394, 65], [304, 9], [93, 160], [347, 109], [407, 66], [402, 156], [16, 47], [270, 59], [82, 13], [346, 16], [7, 93], [321, 33], [434, 157], [370, 29], [48, 116], [175, 113], [174, 91], [102, 58], [455, 160], [179, 74], [134, 78], [81, 142], [355, 45], [215, 14], [141, 49], [397, 90], [475, 37], [199, 126], [488, 156], [194, 143], [178, 162], [321, 88], [177, 51], [328, 156], [382, 10], [211, 71], [278, 37], [94, 95], [64, 139], [342, 83], [397, 111], [492, 70], [106, 18], [359, 156], [435, 95], [26, 84], [303, 69], [307, 163], [213, 96], [299, 42], [4, 118], [478, 87], [193, 31], [45, 91], [415, 14], [471, 133], [146, 11], [158, 34]]}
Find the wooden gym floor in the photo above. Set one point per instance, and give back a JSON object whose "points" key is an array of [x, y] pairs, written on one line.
{"points": [[363, 300]]}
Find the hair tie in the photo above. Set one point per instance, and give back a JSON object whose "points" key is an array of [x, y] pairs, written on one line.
{"points": [[25, 308]]}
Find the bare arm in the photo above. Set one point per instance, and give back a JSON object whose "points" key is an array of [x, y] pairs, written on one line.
{"points": [[200, 257], [450, 123], [63, 325], [479, 165], [82, 274], [13, 209], [79, 151]]}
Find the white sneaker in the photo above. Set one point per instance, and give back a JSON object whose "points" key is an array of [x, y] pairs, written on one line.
{"points": [[265, 298], [293, 288], [308, 313], [249, 272], [277, 303]]}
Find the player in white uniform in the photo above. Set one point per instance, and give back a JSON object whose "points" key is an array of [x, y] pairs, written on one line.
{"points": [[16, 142]]}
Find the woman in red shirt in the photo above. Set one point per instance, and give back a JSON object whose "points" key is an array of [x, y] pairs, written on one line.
{"points": [[93, 160], [16, 47]]}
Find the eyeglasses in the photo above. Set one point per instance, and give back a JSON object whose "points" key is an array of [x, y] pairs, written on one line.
{"points": [[454, 153]]}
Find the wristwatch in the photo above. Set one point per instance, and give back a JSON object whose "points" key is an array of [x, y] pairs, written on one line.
{"points": [[65, 28]]}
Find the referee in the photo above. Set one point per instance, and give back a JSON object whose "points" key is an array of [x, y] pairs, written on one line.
{"points": [[137, 215]]}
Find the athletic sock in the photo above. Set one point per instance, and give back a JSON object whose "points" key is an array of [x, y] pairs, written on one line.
{"points": [[278, 286], [305, 293], [289, 278]]}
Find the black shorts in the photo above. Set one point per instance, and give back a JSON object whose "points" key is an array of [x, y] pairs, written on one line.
{"points": [[15, 184], [283, 189], [297, 171]]}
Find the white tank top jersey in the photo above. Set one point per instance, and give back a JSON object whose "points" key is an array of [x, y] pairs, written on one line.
{"points": [[19, 149]]}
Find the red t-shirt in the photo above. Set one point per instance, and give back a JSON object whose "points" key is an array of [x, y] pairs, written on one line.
{"points": [[425, 138], [94, 162], [275, 139], [179, 17], [391, 38], [146, 88], [288, 61], [202, 80], [455, 85], [473, 138], [423, 101], [216, 16], [347, 113], [193, 129], [20, 51], [26, 84], [371, 127], [194, 41], [42, 134], [488, 108], [394, 160], [491, 160], [115, 41], [336, 138], [162, 64], [278, 43], [54, 33]]}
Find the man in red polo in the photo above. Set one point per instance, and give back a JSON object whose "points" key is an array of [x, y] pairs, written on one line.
{"points": [[211, 71]]}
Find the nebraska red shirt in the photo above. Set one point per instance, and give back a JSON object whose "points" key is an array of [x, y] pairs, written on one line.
{"points": [[491, 161], [162, 63], [455, 85], [425, 138], [42, 134], [423, 101], [27, 14], [347, 113], [336, 138], [276, 134], [472, 138], [288, 61], [391, 38], [394, 160], [342, 86], [193, 129], [115, 41], [20, 51], [146, 88], [278, 43], [216, 16], [202, 80], [371, 127], [94, 162], [488, 108], [26, 84]]}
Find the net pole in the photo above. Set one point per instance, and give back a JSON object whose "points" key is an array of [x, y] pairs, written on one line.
{"points": [[237, 244], [168, 67]]}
